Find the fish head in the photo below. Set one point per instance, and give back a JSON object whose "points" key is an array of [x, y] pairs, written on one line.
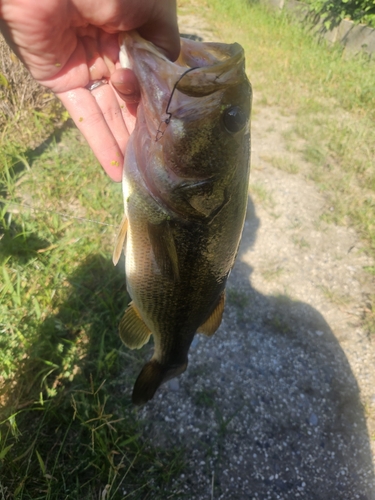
{"points": [[194, 112]]}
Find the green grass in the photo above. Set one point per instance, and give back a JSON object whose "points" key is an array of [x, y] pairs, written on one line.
{"points": [[67, 426], [271, 271], [262, 195], [335, 296], [332, 97], [300, 242], [284, 164], [29, 113], [288, 66]]}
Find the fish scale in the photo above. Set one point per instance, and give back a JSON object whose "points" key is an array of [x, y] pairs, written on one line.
{"points": [[185, 186]]}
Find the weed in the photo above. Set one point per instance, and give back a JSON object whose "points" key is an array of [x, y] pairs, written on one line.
{"points": [[205, 398], [285, 165], [240, 301], [283, 300], [370, 269], [28, 112], [237, 298], [277, 323], [314, 154], [271, 271], [300, 242], [369, 315], [262, 195], [335, 296], [295, 224]]}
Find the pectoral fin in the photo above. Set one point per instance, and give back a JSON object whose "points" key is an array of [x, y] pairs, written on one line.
{"points": [[133, 331], [210, 326], [120, 240], [164, 249]]}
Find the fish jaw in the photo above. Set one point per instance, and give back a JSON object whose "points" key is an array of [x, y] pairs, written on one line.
{"points": [[201, 70]]}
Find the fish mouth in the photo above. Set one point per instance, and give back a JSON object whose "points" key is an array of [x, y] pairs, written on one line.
{"points": [[222, 66], [200, 70]]}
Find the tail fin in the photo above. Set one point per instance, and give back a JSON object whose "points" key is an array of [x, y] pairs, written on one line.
{"points": [[152, 375]]}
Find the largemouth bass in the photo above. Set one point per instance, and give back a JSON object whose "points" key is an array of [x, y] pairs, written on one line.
{"points": [[185, 189]]}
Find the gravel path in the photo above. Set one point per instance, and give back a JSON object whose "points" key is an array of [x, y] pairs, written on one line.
{"points": [[280, 402]]}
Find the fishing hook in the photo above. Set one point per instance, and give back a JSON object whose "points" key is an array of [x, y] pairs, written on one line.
{"points": [[160, 133]]}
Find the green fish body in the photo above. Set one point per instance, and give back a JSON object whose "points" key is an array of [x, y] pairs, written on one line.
{"points": [[185, 193]]}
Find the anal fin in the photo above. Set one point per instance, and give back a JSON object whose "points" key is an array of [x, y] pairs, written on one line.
{"points": [[210, 326], [133, 331], [120, 240]]}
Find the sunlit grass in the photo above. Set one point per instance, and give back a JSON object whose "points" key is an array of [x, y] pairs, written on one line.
{"points": [[67, 426], [332, 97], [284, 164]]}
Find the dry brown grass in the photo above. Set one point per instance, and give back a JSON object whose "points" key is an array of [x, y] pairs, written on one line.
{"points": [[28, 111]]}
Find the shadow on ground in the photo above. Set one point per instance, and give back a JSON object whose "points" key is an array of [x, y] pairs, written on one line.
{"points": [[269, 407]]}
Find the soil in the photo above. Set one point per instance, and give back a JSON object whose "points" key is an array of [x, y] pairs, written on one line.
{"points": [[280, 402]]}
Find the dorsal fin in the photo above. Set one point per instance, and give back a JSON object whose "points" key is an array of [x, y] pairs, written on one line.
{"points": [[120, 240], [133, 331], [210, 326]]}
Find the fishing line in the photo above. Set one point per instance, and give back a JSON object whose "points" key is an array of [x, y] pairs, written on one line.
{"points": [[81, 219], [160, 133]]}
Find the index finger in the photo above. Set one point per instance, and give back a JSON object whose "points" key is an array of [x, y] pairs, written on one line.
{"points": [[92, 121]]}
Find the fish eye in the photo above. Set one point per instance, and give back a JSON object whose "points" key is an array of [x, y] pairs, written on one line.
{"points": [[234, 119]]}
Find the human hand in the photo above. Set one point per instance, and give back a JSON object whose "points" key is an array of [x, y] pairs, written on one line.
{"points": [[66, 44]]}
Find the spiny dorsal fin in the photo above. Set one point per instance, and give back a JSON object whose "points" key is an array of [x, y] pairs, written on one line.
{"points": [[210, 326], [164, 248], [120, 240], [133, 331]]}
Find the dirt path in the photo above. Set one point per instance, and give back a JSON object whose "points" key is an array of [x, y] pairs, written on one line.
{"points": [[280, 403]]}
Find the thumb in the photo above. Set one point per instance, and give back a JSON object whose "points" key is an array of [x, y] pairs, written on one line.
{"points": [[162, 29]]}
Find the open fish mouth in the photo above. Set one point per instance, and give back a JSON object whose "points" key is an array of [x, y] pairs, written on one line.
{"points": [[201, 71]]}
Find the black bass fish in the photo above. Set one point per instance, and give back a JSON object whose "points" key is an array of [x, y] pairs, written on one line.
{"points": [[185, 188]]}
